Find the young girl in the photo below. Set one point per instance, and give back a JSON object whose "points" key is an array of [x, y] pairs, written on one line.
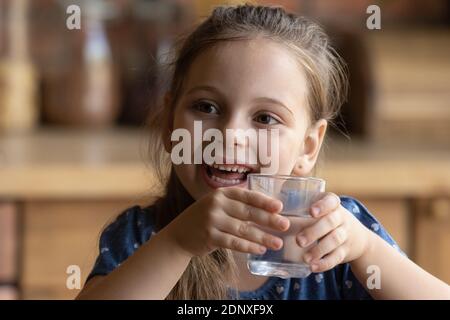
{"points": [[261, 68]]}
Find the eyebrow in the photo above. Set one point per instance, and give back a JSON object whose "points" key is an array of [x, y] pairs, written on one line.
{"points": [[204, 87], [274, 101], [259, 99]]}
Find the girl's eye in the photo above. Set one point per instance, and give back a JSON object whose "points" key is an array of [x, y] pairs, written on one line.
{"points": [[266, 119], [206, 107]]}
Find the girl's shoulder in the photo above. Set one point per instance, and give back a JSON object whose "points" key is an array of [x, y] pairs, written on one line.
{"points": [[134, 223], [122, 237], [367, 218], [135, 218]]}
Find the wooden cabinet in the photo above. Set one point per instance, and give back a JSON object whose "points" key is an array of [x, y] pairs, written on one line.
{"points": [[57, 235], [432, 237], [9, 220]]}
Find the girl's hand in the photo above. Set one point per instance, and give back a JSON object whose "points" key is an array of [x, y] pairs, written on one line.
{"points": [[226, 218], [342, 238]]}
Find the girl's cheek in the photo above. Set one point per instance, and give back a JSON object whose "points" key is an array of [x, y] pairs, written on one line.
{"points": [[287, 156], [284, 163]]}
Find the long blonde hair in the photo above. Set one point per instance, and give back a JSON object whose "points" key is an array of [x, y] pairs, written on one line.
{"points": [[208, 277]]}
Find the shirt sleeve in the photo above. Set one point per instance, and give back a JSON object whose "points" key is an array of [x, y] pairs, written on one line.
{"points": [[350, 286], [120, 239]]}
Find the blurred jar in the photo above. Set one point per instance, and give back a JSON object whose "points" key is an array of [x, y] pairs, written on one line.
{"points": [[140, 33], [18, 79], [82, 90]]}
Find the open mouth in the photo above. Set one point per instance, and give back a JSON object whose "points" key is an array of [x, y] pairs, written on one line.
{"points": [[225, 175]]}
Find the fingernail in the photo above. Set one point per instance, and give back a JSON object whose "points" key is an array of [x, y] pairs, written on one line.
{"points": [[275, 205], [276, 243], [283, 223], [262, 249], [315, 211], [302, 240]]}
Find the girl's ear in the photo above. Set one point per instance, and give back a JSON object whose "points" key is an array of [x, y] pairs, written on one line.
{"points": [[311, 147], [167, 125]]}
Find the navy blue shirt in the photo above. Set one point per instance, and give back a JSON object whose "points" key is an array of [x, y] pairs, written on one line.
{"points": [[135, 226]]}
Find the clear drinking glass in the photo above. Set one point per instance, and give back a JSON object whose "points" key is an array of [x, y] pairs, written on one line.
{"points": [[297, 195]]}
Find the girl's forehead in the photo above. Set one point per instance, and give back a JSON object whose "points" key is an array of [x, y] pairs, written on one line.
{"points": [[257, 56], [257, 67]]}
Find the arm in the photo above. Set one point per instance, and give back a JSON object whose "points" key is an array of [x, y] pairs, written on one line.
{"points": [[343, 238], [400, 277], [133, 279], [218, 220]]}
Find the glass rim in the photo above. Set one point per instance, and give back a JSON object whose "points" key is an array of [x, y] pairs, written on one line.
{"points": [[286, 177]]}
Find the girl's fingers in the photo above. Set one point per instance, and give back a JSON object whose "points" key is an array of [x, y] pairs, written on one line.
{"points": [[325, 205], [249, 231], [330, 261], [226, 240], [254, 198], [326, 245], [261, 217], [320, 228]]}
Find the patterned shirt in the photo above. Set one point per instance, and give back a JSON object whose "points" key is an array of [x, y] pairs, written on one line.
{"points": [[135, 226]]}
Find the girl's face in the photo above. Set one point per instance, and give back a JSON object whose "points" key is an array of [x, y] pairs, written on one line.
{"points": [[247, 84]]}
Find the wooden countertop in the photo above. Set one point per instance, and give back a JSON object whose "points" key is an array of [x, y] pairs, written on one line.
{"points": [[69, 164], [63, 163]]}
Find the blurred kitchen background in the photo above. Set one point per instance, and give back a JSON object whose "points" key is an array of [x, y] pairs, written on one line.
{"points": [[73, 105]]}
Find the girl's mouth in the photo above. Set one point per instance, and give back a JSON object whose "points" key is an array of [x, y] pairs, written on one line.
{"points": [[225, 175]]}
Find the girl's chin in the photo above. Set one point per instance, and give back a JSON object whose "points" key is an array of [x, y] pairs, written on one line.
{"points": [[225, 180]]}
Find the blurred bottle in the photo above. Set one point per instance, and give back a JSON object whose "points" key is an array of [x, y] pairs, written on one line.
{"points": [[18, 81], [344, 22], [86, 93], [141, 32], [133, 50]]}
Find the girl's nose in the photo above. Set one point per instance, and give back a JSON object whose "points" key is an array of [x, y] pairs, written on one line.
{"points": [[239, 134], [236, 128]]}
